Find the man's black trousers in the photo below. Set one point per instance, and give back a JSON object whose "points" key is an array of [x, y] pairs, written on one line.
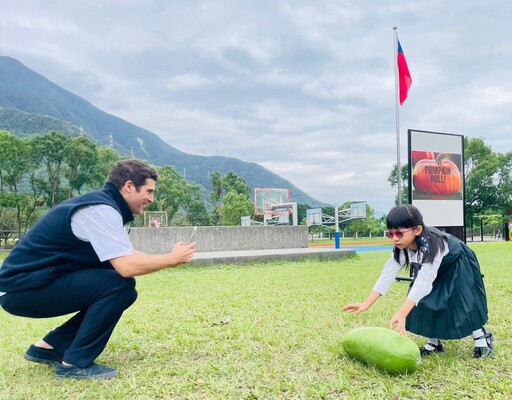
{"points": [[100, 297]]}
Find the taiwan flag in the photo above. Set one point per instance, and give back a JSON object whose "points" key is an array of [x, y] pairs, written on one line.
{"points": [[404, 77]]}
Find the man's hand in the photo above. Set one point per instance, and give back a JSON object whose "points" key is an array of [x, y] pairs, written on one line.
{"points": [[141, 263], [183, 252]]}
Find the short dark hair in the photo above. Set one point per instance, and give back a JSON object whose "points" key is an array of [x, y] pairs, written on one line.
{"points": [[131, 170], [408, 216], [404, 216]]}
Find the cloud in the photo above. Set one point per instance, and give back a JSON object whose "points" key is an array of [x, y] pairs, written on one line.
{"points": [[188, 82]]}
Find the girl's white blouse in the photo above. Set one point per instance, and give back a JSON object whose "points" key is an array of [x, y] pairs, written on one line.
{"points": [[422, 285]]}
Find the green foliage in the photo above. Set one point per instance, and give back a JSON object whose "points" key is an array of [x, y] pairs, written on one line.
{"points": [[488, 179], [15, 156], [38, 172], [197, 214], [13, 161], [172, 191], [24, 124], [232, 197], [50, 151], [8, 222], [236, 205], [404, 183], [107, 158], [12, 199], [302, 213], [369, 226], [82, 160], [216, 184], [231, 182]]}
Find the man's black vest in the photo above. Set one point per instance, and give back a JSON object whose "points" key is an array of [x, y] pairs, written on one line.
{"points": [[50, 248]]}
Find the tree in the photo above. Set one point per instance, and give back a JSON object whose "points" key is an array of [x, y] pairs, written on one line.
{"points": [[107, 158], [82, 161], [13, 166], [18, 207], [50, 151], [235, 206], [197, 214], [216, 193], [302, 213], [13, 161], [368, 226], [221, 187], [235, 183], [487, 180], [393, 180], [7, 221], [505, 183], [172, 191]]}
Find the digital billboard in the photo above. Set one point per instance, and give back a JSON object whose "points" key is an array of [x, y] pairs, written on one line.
{"points": [[436, 177]]}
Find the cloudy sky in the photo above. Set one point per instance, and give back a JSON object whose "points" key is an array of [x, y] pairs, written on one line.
{"points": [[304, 88]]}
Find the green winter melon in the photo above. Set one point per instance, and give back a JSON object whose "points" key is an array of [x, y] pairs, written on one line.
{"points": [[383, 348]]}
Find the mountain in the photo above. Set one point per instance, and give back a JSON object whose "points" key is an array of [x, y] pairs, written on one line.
{"points": [[31, 104]]}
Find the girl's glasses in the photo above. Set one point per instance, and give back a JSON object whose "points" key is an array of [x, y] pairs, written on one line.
{"points": [[399, 233]]}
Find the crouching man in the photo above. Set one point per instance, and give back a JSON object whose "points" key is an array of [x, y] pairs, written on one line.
{"points": [[78, 259]]}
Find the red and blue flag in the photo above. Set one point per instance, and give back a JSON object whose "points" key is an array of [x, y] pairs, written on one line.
{"points": [[404, 76]]}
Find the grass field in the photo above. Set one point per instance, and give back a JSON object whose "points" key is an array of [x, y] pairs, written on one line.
{"points": [[266, 331]]}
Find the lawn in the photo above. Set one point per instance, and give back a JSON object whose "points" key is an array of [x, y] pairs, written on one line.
{"points": [[265, 331]]}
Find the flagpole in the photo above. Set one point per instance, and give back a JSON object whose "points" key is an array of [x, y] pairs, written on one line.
{"points": [[397, 118]]}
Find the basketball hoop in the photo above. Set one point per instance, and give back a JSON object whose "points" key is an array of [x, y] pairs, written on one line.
{"points": [[265, 199], [155, 219]]}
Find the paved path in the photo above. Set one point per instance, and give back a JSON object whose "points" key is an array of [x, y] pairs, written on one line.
{"points": [[247, 256]]}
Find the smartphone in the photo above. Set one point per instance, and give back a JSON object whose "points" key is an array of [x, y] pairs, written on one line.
{"points": [[193, 235]]}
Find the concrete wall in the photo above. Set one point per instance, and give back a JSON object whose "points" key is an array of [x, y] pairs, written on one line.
{"points": [[221, 238]]}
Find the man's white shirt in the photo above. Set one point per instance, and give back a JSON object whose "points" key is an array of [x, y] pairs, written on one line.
{"points": [[102, 226]]}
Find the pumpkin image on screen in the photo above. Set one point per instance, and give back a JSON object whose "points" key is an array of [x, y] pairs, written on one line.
{"points": [[438, 177], [417, 156]]}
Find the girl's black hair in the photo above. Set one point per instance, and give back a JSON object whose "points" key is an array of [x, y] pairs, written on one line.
{"points": [[407, 216]]}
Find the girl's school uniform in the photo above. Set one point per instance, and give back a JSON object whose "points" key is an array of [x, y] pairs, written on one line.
{"points": [[449, 293]]}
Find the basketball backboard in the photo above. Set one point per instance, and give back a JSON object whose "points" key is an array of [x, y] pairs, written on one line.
{"points": [[314, 217], [358, 210], [155, 219], [267, 198]]}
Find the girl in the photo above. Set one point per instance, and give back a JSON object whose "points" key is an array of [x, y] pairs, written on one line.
{"points": [[446, 298]]}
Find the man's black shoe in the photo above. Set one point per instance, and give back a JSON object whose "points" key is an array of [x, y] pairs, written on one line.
{"points": [[43, 356], [94, 371]]}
